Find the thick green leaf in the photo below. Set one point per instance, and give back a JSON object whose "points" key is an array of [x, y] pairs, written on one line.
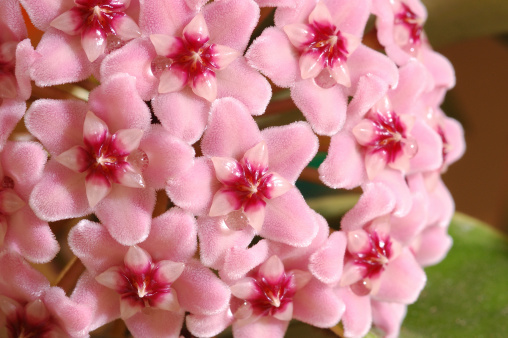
{"points": [[467, 293]]}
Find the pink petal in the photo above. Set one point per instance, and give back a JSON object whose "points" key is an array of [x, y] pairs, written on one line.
{"points": [[430, 147], [169, 271], [357, 318], [432, 246], [239, 260], [127, 140], [168, 301], [223, 203], [69, 22], [196, 194], [325, 109], [97, 187], [216, 238], [224, 55], [168, 46], [168, 156], [264, 327], [76, 159], [209, 294], [230, 83], [125, 27], [231, 130], [138, 260], [317, 305], [111, 278], [245, 288], [340, 73], [278, 186], [135, 59], [43, 12], [118, 104], [47, 118], [62, 60], [320, 15], [257, 155], [60, 194], [196, 31], [25, 56], [272, 270], [9, 87], [311, 64], [172, 236], [10, 202], [290, 148], [388, 317], [127, 213], [326, 264], [173, 79], [289, 220], [183, 114], [95, 247], [255, 213], [129, 308], [273, 55], [299, 34], [241, 15], [156, 323], [93, 40], [11, 111], [95, 131], [164, 17], [402, 281], [226, 169], [286, 314], [208, 326], [205, 85], [11, 15], [32, 237]]}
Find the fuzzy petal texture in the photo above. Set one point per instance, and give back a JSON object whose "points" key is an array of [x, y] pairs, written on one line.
{"points": [[194, 195], [11, 112], [357, 318], [208, 325], [164, 16], [243, 15], [135, 58], [264, 327], [62, 60], [117, 103], [200, 291], [402, 281], [290, 148], [231, 81], [47, 118], [289, 220], [41, 13], [127, 213], [183, 114], [60, 194], [273, 55], [168, 156], [432, 246], [325, 109], [327, 262], [231, 130], [388, 317], [172, 236]]}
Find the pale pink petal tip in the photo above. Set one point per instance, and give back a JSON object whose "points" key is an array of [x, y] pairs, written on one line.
{"points": [[138, 260], [169, 271], [69, 22], [205, 85], [97, 187], [224, 55], [320, 15], [196, 30], [272, 269], [126, 28], [172, 80], [93, 42]]}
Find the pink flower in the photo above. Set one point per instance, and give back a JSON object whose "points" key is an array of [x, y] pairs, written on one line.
{"points": [[95, 20], [237, 173], [106, 158], [388, 135], [21, 166], [77, 34], [16, 56], [151, 285], [315, 50], [30, 307], [190, 59]]}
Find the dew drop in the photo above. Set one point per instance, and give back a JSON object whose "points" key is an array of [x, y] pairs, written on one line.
{"points": [[160, 64], [138, 159], [113, 43], [236, 220], [325, 79], [362, 287]]}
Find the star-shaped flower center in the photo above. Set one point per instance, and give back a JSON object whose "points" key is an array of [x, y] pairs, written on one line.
{"points": [[106, 158], [28, 321], [409, 29], [190, 60], [143, 283], [95, 20]]}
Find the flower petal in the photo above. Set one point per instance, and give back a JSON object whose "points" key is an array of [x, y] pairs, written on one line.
{"points": [[69, 22], [173, 79], [196, 31], [205, 85], [93, 40]]}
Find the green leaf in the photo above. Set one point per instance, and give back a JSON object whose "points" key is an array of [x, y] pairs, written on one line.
{"points": [[467, 293]]}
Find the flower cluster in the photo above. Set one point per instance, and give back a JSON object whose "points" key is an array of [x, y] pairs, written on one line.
{"points": [[170, 123]]}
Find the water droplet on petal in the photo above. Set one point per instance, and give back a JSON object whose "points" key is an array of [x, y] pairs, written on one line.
{"points": [[236, 220], [160, 64], [113, 43], [362, 287], [325, 79], [410, 147], [139, 160]]}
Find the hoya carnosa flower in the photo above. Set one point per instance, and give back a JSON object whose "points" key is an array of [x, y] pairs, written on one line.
{"points": [[150, 286], [315, 49], [21, 167], [77, 34], [95, 20], [192, 59], [106, 158], [29, 307], [187, 60], [16, 56], [387, 135], [400, 30], [235, 179]]}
